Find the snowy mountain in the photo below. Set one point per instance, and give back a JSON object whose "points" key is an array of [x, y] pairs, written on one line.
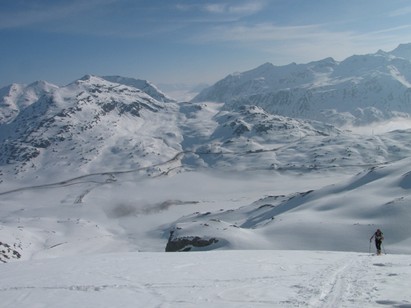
{"points": [[94, 126], [359, 90], [83, 126]]}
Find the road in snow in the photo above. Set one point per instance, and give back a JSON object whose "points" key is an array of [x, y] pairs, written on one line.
{"points": [[210, 279]]}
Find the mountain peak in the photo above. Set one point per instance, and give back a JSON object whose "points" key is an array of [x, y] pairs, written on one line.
{"points": [[266, 65], [329, 61], [42, 85], [403, 46], [142, 85], [90, 78], [402, 51], [85, 77]]}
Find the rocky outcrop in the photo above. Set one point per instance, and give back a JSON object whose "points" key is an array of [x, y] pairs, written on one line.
{"points": [[187, 243], [8, 252]]}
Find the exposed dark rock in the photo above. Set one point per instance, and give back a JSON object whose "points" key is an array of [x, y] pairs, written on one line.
{"points": [[41, 143], [108, 106], [187, 243], [7, 253]]}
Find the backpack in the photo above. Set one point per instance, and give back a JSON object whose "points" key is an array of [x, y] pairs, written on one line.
{"points": [[378, 235]]}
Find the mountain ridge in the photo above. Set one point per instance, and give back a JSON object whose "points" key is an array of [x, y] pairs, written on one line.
{"points": [[102, 124], [356, 91]]}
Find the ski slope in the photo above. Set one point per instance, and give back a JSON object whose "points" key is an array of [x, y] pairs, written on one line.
{"points": [[210, 279]]}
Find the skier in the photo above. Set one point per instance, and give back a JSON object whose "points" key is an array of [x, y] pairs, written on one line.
{"points": [[378, 235]]}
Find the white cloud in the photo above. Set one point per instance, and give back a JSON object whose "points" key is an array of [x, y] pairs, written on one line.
{"points": [[382, 127], [184, 7], [215, 8], [244, 8], [390, 30], [247, 7], [262, 32]]}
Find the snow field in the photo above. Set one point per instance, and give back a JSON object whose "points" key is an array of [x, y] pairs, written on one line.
{"points": [[258, 278]]}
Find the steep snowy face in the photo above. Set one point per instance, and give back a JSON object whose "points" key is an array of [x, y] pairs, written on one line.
{"points": [[91, 122], [358, 90]]}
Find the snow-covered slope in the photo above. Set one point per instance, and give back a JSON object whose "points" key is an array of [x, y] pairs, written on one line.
{"points": [[211, 279], [126, 211], [336, 217], [359, 90]]}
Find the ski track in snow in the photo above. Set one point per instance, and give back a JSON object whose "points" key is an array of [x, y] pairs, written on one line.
{"points": [[339, 281]]}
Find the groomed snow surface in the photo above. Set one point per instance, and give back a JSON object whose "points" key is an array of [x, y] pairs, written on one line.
{"points": [[210, 279]]}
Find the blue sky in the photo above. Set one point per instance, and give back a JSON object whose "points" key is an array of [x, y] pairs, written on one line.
{"points": [[189, 41]]}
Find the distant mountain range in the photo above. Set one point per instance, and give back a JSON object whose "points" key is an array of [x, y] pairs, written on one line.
{"points": [[359, 90], [287, 117]]}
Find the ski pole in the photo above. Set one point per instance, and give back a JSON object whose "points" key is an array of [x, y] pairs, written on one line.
{"points": [[383, 249], [369, 248]]}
